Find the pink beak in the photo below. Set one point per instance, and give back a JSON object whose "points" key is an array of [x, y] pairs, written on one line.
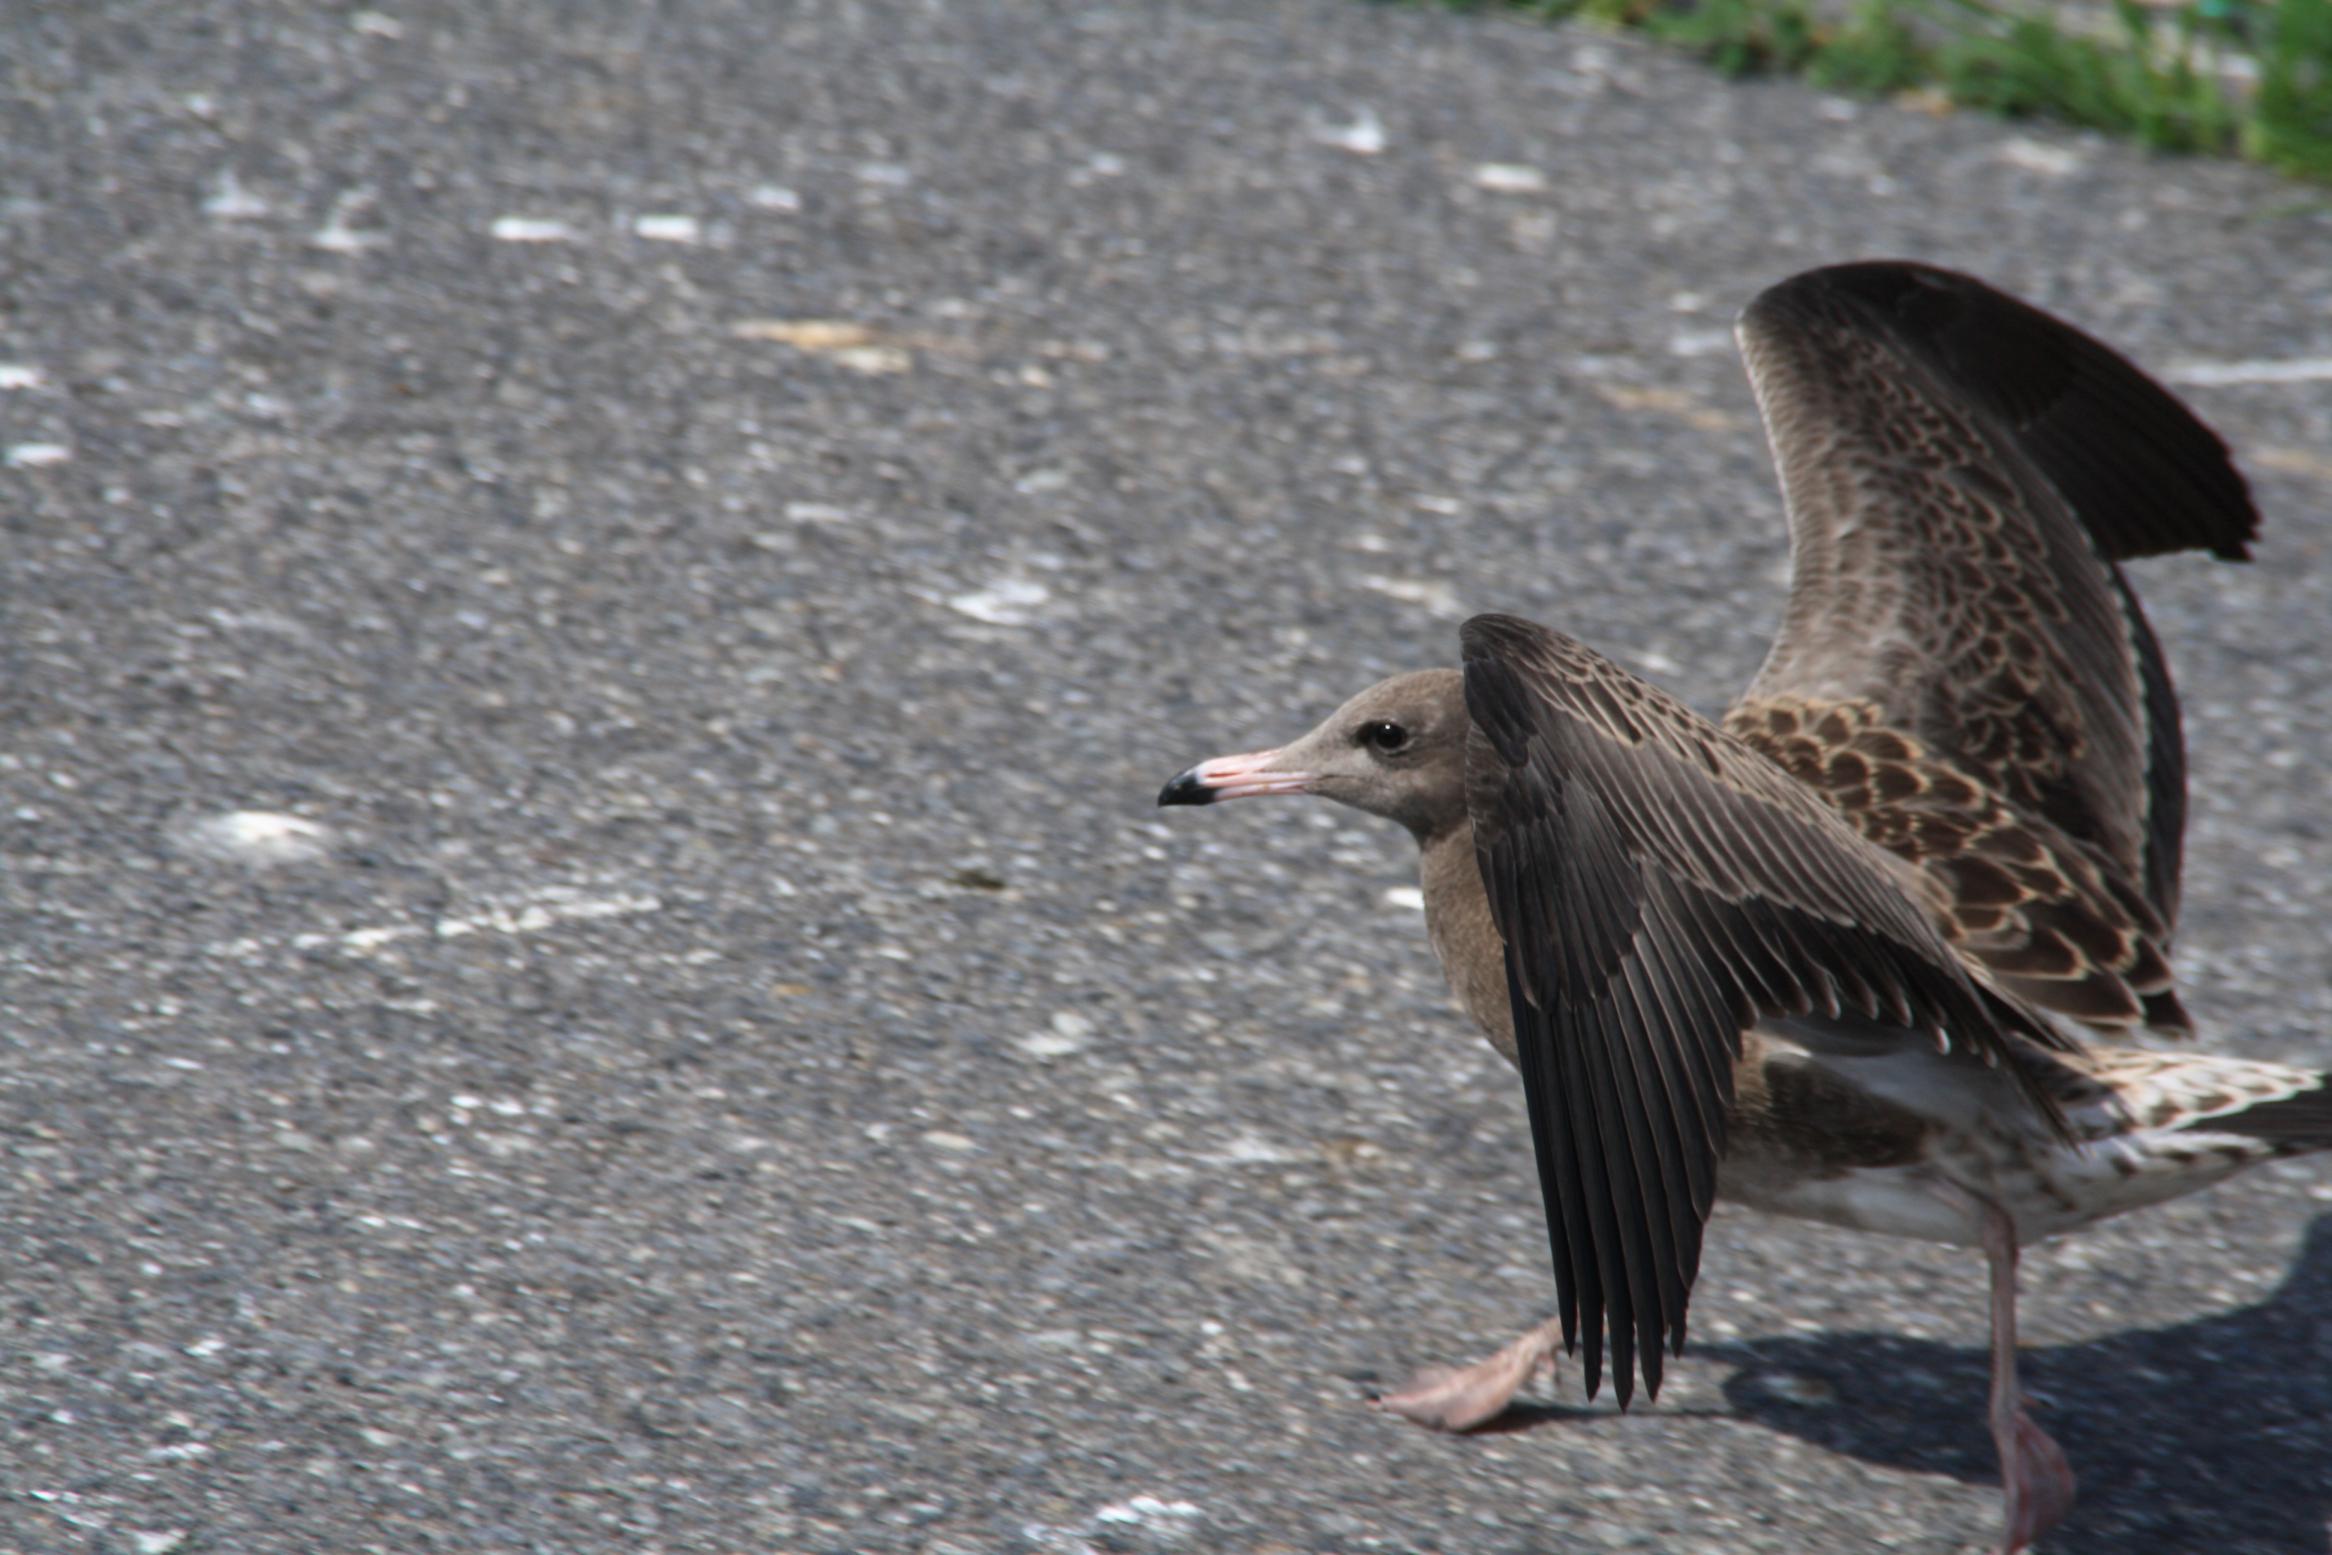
{"points": [[1236, 777]]}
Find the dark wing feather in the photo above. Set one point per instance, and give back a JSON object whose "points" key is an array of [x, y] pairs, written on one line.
{"points": [[2143, 476], [1659, 888], [1962, 667]]}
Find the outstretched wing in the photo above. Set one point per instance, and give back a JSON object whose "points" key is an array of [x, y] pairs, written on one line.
{"points": [[1659, 888], [1962, 667]]}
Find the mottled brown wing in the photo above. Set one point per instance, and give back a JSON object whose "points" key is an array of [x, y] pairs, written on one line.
{"points": [[1659, 888], [1962, 668]]}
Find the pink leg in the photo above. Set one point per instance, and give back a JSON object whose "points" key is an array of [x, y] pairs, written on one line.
{"points": [[2033, 1471], [1458, 1398]]}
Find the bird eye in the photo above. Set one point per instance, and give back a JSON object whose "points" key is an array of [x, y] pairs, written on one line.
{"points": [[1383, 735]]}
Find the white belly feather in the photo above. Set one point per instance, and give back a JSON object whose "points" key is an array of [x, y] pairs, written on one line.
{"points": [[2139, 1137]]}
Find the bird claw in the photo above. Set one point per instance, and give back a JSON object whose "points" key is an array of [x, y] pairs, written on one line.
{"points": [[1459, 1398], [2039, 1483]]}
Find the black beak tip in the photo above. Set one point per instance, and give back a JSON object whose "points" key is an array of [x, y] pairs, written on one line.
{"points": [[1185, 788]]}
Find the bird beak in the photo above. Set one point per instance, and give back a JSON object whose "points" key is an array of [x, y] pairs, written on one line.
{"points": [[1236, 777]]}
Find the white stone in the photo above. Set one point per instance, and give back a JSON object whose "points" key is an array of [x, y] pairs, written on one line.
{"points": [[668, 229], [1364, 136], [530, 229], [262, 839], [2036, 157], [336, 236], [230, 201], [1070, 1033], [1168, 1518], [1509, 178], [1006, 602], [1429, 593], [1700, 342]]}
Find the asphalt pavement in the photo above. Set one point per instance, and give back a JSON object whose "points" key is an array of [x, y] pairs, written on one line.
{"points": [[595, 600]]}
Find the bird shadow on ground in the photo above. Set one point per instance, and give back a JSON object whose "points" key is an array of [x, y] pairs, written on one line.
{"points": [[2212, 1434]]}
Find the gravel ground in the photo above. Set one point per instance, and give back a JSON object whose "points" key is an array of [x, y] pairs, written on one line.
{"points": [[595, 602]]}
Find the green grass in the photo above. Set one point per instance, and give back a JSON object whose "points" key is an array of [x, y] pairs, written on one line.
{"points": [[2158, 76]]}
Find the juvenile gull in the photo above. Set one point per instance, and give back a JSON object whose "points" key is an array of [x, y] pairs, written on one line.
{"points": [[1816, 960]]}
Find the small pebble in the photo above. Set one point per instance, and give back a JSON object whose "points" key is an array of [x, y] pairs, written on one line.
{"points": [[530, 229], [230, 201], [1006, 602], [1800, 1388], [262, 839], [668, 229], [1509, 178], [1070, 1033], [1364, 136]]}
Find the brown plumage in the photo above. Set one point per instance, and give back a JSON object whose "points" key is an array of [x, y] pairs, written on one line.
{"points": [[1808, 960], [1962, 667], [1659, 889]]}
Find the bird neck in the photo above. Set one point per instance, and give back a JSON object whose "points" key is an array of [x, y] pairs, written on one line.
{"points": [[1457, 919]]}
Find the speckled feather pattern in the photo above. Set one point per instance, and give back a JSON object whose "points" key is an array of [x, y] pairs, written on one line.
{"points": [[1952, 800], [1659, 889], [1962, 669], [1834, 957], [2052, 921]]}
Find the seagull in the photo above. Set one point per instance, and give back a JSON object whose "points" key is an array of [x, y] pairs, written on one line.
{"points": [[1870, 951]]}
